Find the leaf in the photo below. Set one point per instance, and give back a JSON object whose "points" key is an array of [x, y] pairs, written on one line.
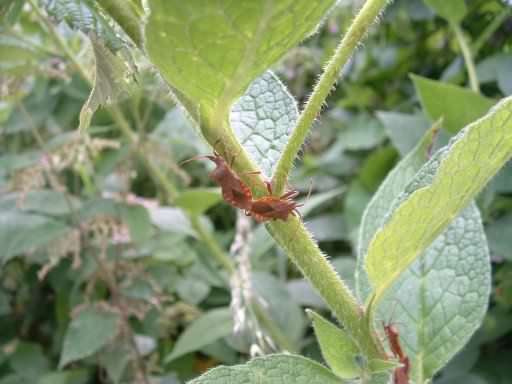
{"points": [[404, 130], [87, 333], [29, 361], [338, 349], [263, 120], [452, 10], [281, 307], [457, 106], [128, 15], [110, 82], [271, 369], [211, 51], [441, 299], [199, 200], [47, 202], [441, 189], [208, 328], [171, 219], [21, 232], [67, 377], [378, 208], [364, 132], [81, 15], [499, 233], [138, 221]]}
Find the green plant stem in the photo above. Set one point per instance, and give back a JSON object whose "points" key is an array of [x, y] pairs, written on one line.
{"points": [[357, 30], [468, 57], [489, 30], [304, 252]]}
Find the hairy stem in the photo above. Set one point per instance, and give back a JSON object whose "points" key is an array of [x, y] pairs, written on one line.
{"points": [[356, 32], [468, 57]]}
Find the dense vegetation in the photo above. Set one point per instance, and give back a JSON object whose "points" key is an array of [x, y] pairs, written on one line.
{"points": [[122, 263]]}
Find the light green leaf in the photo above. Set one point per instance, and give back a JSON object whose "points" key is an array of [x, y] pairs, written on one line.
{"points": [[451, 10], [128, 14], [90, 331], [404, 130], [21, 232], [110, 82], [263, 119], [441, 189], [457, 106], [338, 348], [441, 299], [271, 369], [198, 200], [208, 328], [378, 208], [211, 51]]}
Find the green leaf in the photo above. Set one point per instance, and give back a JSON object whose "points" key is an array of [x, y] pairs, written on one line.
{"points": [[445, 292], [47, 202], [457, 106], [81, 15], [110, 82], [499, 233], [29, 361], [281, 307], [263, 120], [198, 200], [208, 328], [128, 14], [21, 232], [451, 10], [378, 208], [211, 51], [404, 130], [442, 188], [138, 221], [338, 348], [67, 377], [272, 369], [364, 132], [90, 331]]}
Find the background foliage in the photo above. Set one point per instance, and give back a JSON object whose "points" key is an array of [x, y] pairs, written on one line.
{"points": [[104, 280]]}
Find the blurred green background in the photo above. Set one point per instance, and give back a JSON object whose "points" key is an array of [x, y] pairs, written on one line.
{"points": [[103, 272]]}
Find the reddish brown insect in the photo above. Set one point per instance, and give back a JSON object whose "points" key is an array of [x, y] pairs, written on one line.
{"points": [[234, 191], [270, 207], [401, 374]]}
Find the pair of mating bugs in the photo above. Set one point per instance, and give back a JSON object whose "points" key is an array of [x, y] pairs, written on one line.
{"points": [[236, 193]]}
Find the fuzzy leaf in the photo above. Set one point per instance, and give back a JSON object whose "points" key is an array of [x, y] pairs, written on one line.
{"points": [[263, 119], [110, 82], [212, 50], [444, 186], [338, 348], [271, 369]]}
